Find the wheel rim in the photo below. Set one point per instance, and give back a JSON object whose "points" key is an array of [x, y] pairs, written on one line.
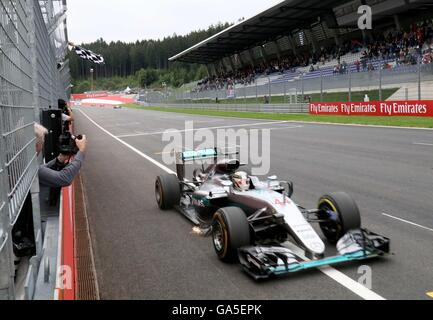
{"points": [[332, 228], [218, 237], [158, 194]]}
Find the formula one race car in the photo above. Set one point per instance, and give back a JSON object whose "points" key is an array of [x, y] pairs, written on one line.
{"points": [[257, 223]]}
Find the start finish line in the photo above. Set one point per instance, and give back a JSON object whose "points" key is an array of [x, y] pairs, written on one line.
{"points": [[421, 108]]}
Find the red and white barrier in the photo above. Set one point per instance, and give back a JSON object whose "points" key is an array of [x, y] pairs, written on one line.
{"points": [[81, 96], [421, 108], [66, 269], [99, 99]]}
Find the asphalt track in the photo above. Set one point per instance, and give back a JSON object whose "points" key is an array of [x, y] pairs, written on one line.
{"points": [[143, 253]]}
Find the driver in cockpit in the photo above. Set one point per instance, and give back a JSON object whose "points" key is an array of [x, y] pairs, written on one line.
{"points": [[241, 181]]}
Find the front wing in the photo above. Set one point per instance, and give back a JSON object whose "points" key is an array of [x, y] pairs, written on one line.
{"points": [[264, 262]]}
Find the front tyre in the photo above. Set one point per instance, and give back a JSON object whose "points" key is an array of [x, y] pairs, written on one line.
{"points": [[230, 231], [346, 218], [167, 191]]}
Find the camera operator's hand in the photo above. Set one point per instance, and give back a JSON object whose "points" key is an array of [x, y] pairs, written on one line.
{"points": [[82, 144], [63, 158], [69, 113]]}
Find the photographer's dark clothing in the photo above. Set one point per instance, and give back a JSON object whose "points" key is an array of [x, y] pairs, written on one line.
{"points": [[50, 175]]}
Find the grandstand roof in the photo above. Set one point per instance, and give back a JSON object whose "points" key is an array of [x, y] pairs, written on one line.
{"points": [[268, 25], [282, 19]]}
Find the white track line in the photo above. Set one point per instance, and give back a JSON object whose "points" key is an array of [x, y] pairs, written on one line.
{"points": [[407, 221], [340, 277], [362, 125], [299, 121], [423, 144], [156, 163], [199, 129], [332, 273], [285, 128]]}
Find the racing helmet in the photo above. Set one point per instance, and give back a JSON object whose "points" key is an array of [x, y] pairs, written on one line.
{"points": [[241, 181]]}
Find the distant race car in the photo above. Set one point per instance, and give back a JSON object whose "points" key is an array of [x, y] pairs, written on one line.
{"points": [[259, 224]]}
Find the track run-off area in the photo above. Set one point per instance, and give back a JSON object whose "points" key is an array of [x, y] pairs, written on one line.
{"points": [[144, 253]]}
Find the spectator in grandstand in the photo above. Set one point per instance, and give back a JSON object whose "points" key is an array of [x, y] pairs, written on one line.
{"points": [[427, 57], [405, 47], [61, 171], [428, 46], [344, 68], [386, 66], [336, 69], [358, 66]]}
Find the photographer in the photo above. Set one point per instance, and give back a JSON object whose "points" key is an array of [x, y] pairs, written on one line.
{"points": [[61, 171], [67, 114]]}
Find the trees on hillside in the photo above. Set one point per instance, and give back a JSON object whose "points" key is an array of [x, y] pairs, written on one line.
{"points": [[146, 60]]}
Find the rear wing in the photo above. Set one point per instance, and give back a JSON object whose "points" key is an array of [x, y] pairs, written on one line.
{"points": [[205, 154], [200, 155], [190, 156]]}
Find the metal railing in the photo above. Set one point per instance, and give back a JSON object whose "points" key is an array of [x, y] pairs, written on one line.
{"points": [[255, 108], [30, 80], [404, 82]]}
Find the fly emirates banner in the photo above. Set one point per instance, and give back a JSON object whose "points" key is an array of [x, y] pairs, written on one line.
{"points": [[422, 108]]}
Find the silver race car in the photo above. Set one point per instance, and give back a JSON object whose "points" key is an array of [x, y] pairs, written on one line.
{"points": [[257, 222]]}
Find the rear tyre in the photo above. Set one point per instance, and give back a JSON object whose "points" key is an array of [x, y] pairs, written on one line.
{"points": [[348, 216], [230, 231], [167, 191]]}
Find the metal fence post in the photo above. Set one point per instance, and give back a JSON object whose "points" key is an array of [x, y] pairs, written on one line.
{"points": [[270, 90], [380, 82], [302, 87], [321, 86], [257, 93], [6, 263], [285, 92], [350, 85], [37, 221], [419, 79]]}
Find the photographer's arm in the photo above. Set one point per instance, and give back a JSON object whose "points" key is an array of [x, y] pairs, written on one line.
{"points": [[59, 179], [65, 177]]}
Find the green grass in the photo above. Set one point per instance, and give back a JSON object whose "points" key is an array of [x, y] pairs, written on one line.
{"points": [[315, 97], [417, 122]]}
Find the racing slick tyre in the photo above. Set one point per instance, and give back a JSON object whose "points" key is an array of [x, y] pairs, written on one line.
{"points": [[348, 216], [230, 231], [167, 191]]}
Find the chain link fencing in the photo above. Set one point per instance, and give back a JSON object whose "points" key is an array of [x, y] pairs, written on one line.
{"points": [[30, 80]]}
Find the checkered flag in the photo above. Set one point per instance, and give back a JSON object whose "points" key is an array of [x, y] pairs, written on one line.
{"points": [[89, 55]]}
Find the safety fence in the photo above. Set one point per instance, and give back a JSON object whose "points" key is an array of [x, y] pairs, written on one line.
{"points": [[31, 79], [255, 108], [403, 82]]}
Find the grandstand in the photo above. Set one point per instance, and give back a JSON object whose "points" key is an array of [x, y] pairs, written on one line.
{"points": [[307, 40]]}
